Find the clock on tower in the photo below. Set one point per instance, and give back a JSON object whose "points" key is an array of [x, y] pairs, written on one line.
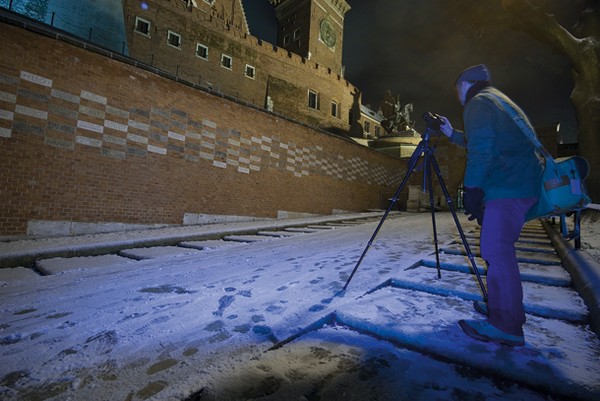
{"points": [[327, 33]]}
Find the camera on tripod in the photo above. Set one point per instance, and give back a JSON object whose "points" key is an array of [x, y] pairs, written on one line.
{"points": [[429, 165], [434, 121]]}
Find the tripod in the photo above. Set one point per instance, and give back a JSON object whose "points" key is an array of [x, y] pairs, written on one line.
{"points": [[423, 148]]}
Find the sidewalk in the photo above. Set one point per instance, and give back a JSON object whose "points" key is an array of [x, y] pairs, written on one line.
{"points": [[26, 251]]}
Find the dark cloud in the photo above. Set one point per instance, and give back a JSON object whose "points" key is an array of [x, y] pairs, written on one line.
{"points": [[416, 49]]}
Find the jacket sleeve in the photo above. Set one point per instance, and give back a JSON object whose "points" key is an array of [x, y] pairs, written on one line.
{"points": [[458, 138], [481, 135]]}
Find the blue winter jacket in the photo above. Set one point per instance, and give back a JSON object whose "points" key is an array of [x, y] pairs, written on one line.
{"points": [[501, 160]]}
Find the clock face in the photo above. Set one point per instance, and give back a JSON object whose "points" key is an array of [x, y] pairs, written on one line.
{"points": [[327, 33]]}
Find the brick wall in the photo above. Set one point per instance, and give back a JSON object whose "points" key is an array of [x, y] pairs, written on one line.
{"points": [[86, 138]]}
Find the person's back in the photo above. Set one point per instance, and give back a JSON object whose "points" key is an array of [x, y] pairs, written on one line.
{"points": [[513, 169]]}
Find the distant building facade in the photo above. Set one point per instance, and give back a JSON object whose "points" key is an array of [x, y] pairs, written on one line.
{"points": [[209, 43]]}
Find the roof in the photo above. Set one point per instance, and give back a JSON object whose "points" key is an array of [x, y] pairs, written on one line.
{"points": [[367, 112]]}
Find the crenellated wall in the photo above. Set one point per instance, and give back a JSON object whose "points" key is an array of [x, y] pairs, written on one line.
{"points": [[271, 63], [86, 138]]}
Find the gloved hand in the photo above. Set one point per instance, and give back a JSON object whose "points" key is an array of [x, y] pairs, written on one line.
{"points": [[446, 127], [473, 202]]}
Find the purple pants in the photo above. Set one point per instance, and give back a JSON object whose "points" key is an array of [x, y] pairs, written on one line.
{"points": [[502, 223]]}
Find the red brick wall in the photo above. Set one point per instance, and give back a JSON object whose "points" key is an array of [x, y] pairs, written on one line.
{"points": [[89, 139]]}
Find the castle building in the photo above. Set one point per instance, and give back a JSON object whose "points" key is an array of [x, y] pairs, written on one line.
{"points": [[208, 42]]}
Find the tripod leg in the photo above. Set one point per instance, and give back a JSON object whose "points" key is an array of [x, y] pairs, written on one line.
{"points": [[413, 162], [458, 226], [427, 170]]}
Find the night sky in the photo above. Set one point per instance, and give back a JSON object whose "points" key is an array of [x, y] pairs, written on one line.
{"points": [[416, 49]]}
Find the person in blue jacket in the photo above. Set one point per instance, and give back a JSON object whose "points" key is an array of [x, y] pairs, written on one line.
{"points": [[501, 179]]}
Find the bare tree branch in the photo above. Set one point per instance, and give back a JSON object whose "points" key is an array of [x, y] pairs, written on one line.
{"points": [[545, 27]]}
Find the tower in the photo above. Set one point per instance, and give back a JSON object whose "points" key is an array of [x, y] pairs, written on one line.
{"points": [[314, 29]]}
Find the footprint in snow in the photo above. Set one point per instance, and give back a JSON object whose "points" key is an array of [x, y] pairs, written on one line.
{"points": [[274, 309], [224, 303], [258, 318], [158, 320]]}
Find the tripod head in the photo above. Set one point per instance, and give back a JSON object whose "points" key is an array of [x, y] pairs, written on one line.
{"points": [[434, 121], [434, 124]]}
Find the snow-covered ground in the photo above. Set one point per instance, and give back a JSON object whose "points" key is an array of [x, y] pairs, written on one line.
{"points": [[266, 321]]}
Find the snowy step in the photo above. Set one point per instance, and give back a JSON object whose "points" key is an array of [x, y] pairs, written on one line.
{"points": [[348, 358], [340, 224], [521, 240], [428, 323], [8, 274], [247, 238], [520, 246], [59, 265], [522, 256], [531, 235], [305, 230], [540, 300], [543, 274], [526, 232], [157, 252], [208, 245], [279, 234], [538, 231]]}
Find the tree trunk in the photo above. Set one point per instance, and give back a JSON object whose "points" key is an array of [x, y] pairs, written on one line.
{"points": [[584, 55], [586, 98]]}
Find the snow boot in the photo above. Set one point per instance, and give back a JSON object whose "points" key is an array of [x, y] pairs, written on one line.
{"points": [[484, 331], [481, 307]]}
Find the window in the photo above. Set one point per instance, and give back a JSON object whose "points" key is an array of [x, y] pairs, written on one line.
{"points": [[377, 130], [313, 99], [286, 40], [367, 126], [250, 71], [226, 61], [142, 26], [297, 34], [174, 39], [201, 51], [334, 108]]}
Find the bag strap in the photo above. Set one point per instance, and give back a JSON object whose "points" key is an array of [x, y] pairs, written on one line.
{"points": [[521, 123]]}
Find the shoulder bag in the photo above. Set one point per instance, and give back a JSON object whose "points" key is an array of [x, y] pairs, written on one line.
{"points": [[562, 189]]}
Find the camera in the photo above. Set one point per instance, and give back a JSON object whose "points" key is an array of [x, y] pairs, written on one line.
{"points": [[434, 121]]}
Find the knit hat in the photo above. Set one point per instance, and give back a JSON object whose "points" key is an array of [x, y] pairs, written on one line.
{"points": [[475, 73]]}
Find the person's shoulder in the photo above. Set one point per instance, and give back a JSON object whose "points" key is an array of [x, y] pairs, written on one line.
{"points": [[488, 93], [491, 93], [488, 97]]}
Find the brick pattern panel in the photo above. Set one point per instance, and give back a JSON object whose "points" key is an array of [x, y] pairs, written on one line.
{"points": [[89, 139]]}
